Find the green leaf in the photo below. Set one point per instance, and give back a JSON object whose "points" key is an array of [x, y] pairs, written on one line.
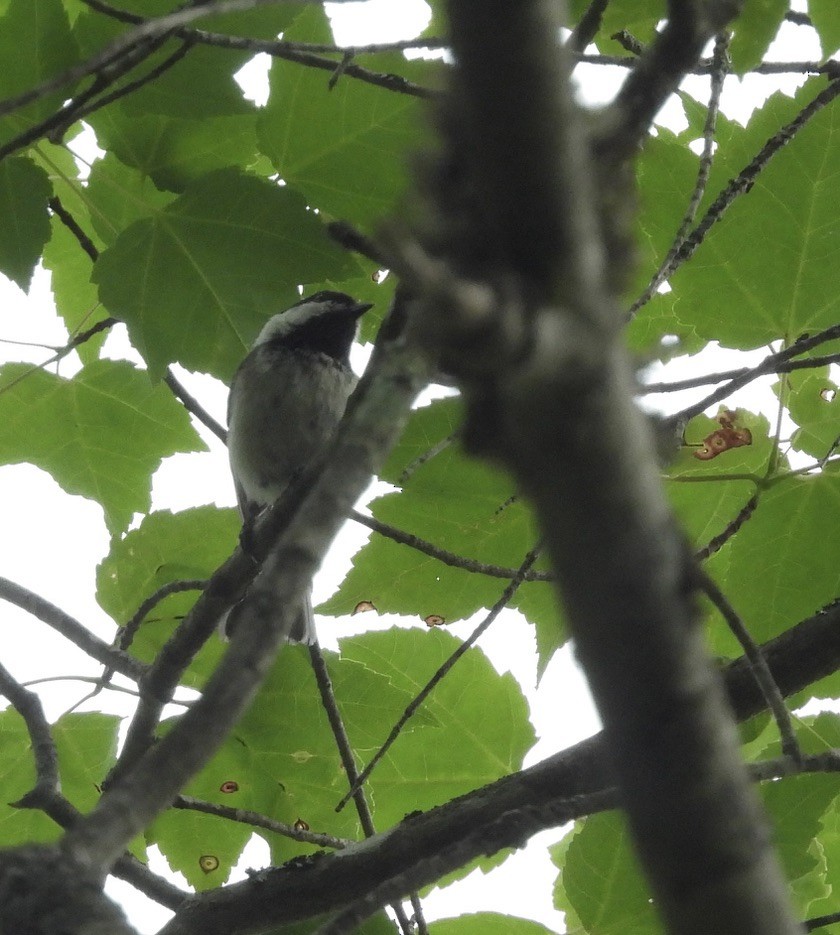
{"points": [[201, 84], [75, 296], [600, 880], [295, 772], [796, 807], [784, 562], [655, 331], [195, 282], [86, 745], [468, 748], [828, 845], [175, 151], [638, 17], [824, 17], [188, 838], [665, 175], [488, 923], [346, 149], [754, 30], [166, 547], [302, 765], [457, 503], [813, 405], [24, 193], [100, 434], [117, 195], [265, 23], [35, 36], [734, 289], [284, 763]]}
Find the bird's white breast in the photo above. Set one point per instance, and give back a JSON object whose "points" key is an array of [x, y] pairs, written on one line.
{"points": [[284, 408]]}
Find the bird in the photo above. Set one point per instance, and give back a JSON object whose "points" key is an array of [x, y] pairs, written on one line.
{"points": [[286, 400]]}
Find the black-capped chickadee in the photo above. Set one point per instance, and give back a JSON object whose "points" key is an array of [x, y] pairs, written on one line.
{"points": [[286, 399]]}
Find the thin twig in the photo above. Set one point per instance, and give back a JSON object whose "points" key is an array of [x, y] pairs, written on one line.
{"points": [[129, 631], [628, 42], [800, 19], [345, 751], [128, 88], [758, 664], [257, 820], [426, 456], [824, 460], [340, 69], [28, 706], [90, 679], [70, 629], [126, 636], [443, 555], [300, 53], [810, 363], [768, 365], [352, 239], [68, 111], [191, 404], [747, 176], [705, 66], [721, 67], [719, 541], [423, 694], [72, 225], [819, 922]]}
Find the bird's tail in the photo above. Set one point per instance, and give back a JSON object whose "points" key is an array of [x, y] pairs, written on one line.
{"points": [[302, 630]]}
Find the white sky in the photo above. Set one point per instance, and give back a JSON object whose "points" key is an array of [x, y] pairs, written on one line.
{"points": [[54, 541]]}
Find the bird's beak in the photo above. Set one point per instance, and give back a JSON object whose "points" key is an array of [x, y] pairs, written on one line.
{"points": [[360, 308]]}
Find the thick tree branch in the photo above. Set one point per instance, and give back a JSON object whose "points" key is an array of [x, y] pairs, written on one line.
{"points": [[691, 24], [46, 795], [415, 853], [28, 706], [558, 410], [588, 26]]}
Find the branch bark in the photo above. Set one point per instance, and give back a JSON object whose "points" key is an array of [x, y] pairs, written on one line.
{"points": [[558, 410]]}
